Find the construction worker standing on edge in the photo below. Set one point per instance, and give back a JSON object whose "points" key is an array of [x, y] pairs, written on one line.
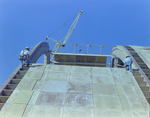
{"points": [[24, 56], [127, 63]]}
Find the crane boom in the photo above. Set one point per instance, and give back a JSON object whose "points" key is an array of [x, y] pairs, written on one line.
{"points": [[72, 27], [66, 38]]}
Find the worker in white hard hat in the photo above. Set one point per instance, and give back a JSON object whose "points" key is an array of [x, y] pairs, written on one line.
{"points": [[24, 56], [127, 63]]}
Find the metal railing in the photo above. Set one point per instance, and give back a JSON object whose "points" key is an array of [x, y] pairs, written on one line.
{"points": [[85, 48]]}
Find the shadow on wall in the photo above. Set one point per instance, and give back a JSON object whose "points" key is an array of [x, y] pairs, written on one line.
{"points": [[120, 62]]}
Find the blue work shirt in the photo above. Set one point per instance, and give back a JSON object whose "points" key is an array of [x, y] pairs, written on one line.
{"points": [[127, 61]]}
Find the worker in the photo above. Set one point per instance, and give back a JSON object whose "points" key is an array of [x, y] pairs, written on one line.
{"points": [[127, 63], [24, 56]]}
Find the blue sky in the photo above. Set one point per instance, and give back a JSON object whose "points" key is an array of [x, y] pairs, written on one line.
{"points": [[108, 22]]}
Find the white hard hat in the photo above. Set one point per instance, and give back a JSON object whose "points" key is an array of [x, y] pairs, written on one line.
{"points": [[27, 47]]}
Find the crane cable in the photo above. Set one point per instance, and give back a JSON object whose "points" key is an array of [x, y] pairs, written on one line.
{"points": [[63, 25], [61, 37]]}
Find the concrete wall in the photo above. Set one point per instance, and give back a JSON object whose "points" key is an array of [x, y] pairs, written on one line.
{"points": [[76, 91]]}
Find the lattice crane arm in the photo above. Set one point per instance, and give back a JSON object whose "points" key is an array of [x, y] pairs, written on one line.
{"points": [[58, 43], [72, 27]]}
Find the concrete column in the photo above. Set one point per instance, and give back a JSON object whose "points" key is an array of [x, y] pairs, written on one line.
{"points": [[115, 62], [112, 62], [47, 59]]}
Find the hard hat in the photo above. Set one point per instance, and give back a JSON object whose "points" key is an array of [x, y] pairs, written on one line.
{"points": [[27, 48], [127, 56]]}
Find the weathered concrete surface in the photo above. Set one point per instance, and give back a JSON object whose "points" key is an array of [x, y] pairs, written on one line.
{"points": [[140, 56], [10, 84], [76, 91]]}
